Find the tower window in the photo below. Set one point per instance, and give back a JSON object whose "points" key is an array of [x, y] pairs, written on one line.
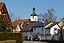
{"points": [[32, 16]]}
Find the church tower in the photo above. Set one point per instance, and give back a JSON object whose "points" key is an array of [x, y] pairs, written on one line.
{"points": [[34, 16]]}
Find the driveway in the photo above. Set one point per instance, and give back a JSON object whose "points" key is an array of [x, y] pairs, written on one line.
{"points": [[34, 42]]}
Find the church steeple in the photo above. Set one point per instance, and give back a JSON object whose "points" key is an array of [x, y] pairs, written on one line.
{"points": [[33, 10], [34, 16], [33, 13]]}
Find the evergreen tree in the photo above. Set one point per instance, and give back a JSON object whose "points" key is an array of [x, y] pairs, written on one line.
{"points": [[3, 26]]}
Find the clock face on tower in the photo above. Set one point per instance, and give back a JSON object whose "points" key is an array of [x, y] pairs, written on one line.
{"points": [[0, 12]]}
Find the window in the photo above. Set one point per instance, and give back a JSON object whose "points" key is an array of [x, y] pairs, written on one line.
{"points": [[38, 33], [34, 28], [55, 28], [26, 33], [27, 23], [42, 29], [33, 17]]}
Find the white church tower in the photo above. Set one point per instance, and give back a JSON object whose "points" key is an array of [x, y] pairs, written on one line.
{"points": [[34, 16]]}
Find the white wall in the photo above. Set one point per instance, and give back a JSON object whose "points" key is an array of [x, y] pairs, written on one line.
{"points": [[49, 25], [61, 23], [40, 31], [34, 18], [18, 28], [52, 31], [26, 33], [37, 30]]}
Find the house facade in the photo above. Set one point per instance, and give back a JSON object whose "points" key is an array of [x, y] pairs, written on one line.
{"points": [[4, 13], [54, 29], [19, 25], [39, 28]]}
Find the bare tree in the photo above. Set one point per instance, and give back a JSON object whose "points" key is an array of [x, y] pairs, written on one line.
{"points": [[50, 15], [40, 16], [45, 16]]}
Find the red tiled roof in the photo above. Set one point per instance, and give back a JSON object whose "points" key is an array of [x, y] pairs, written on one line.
{"points": [[25, 26], [14, 24], [1, 4], [23, 20], [29, 26]]}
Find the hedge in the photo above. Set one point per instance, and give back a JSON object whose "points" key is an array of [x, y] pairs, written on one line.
{"points": [[11, 36]]}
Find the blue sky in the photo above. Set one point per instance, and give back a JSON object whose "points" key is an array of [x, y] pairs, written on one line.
{"points": [[23, 8]]}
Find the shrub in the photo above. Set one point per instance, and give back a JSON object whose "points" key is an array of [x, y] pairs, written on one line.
{"points": [[11, 36]]}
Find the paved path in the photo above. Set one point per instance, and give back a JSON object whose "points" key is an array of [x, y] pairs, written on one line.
{"points": [[8, 41], [33, 42]]}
